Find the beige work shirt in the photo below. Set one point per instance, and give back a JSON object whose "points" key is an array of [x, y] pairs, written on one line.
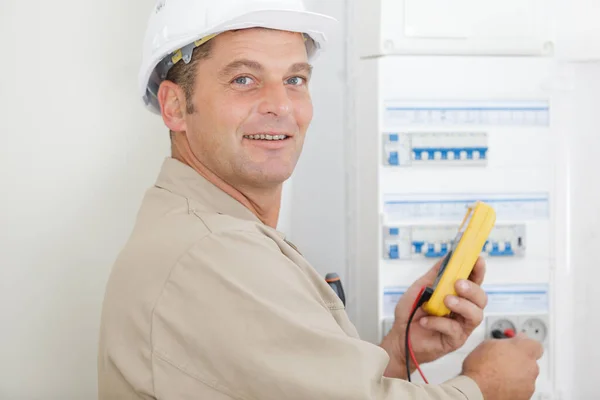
{"points": [[207, 302]]}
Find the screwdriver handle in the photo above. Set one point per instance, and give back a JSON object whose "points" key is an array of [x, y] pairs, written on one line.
{"points": [[335, 282]]}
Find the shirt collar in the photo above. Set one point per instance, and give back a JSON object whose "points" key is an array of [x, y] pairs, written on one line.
{"points": [[183, 180]]}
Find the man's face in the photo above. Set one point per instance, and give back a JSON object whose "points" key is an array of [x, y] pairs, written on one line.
{"points": [[248, 95]]}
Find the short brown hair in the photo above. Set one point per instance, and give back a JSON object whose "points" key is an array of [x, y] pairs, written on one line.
{"points": [[184, 75]]}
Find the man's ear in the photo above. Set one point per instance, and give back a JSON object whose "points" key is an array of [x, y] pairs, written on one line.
{"points": [[172, 106]]}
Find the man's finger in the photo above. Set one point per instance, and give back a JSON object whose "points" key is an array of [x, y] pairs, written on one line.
{"points": [[478, 272], [472, 314], [472, 292], [535, 349], [450, 328], [531, 347]]}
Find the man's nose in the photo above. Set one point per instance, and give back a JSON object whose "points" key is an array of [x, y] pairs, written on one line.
{"points": [[275, 100]]}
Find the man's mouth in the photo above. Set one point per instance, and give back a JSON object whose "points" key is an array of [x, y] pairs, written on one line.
{"points": [[265, 137]]}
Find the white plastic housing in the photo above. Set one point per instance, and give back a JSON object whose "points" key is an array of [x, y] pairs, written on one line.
{"points": [[469, 27]]}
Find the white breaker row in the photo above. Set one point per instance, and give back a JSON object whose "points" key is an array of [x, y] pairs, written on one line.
{"points": [[446, 148], [408, 242]]}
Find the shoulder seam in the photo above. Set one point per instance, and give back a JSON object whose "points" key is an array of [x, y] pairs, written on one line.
{"points": [[192, 210], [188, 201]]}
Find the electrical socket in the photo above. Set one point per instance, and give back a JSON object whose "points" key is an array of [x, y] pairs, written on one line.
{"points": [[501, 323], [535, 326]]}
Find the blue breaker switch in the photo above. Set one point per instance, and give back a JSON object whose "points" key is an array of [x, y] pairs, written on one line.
{"points": [[498, 252], [429, 251], [444, 249], [393, 159], [495, 248], [432, 253], [418, 245], [394, 253]]}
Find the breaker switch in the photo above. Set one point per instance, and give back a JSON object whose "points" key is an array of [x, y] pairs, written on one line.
{"points": [[394, 252]]}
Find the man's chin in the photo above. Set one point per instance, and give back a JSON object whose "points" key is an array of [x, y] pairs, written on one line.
{"points": [[272, 180], [269, 178]]}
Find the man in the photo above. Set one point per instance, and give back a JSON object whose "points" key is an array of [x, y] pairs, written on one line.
{"points": [[208, 300]]}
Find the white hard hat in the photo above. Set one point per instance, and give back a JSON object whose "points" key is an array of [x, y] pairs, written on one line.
{"points": [[177, 27]]}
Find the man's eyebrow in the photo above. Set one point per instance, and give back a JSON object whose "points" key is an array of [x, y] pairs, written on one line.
{"points": [[235, 65], [300, 67]]}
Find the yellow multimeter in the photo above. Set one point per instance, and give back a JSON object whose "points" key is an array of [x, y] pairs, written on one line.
{"points": [[460, 260]]}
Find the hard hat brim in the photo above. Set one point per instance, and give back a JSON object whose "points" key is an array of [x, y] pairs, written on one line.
{"points": [[318, 26], [284, 20]]}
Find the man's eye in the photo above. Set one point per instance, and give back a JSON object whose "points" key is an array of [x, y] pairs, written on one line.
{"points": [[243, 80], [296, 81]]}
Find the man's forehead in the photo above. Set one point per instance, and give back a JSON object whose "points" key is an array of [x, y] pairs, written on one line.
{"points": [[254, 47]]}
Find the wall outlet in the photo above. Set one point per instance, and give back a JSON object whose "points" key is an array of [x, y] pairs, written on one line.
{"points": [[535, 326], [501, 323]]}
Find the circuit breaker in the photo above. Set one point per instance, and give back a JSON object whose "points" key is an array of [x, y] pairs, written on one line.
{"points": [[435, 148], [434, 241]]}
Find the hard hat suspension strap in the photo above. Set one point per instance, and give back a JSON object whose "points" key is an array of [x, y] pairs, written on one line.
{"points": [[185, 54]]}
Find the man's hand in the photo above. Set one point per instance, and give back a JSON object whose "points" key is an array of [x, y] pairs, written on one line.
{"points": [[433, 337], [495, 362]]}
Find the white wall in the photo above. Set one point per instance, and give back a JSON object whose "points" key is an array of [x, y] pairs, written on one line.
{"points": [[577, 31], [318, 200], [582, 191], [78, 151]]}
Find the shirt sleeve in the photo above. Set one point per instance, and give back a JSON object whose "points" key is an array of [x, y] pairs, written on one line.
{"points": [[238, 316]]}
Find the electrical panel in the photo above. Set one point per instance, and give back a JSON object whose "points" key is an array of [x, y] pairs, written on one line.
{"points": [[433, 137]]}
